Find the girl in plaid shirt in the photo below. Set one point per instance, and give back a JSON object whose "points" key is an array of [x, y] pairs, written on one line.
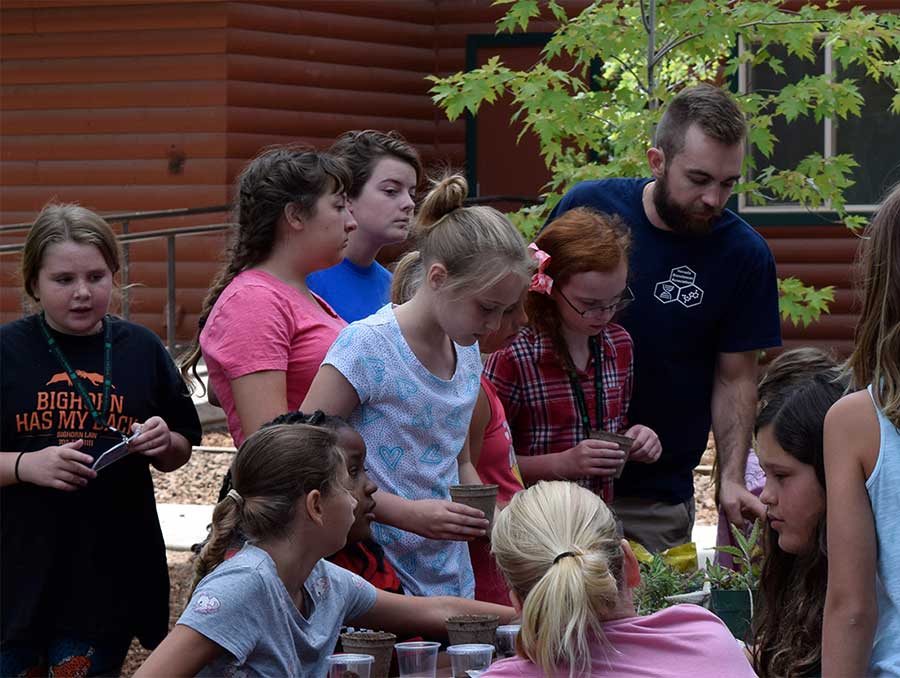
{"points": [[568, 374]]}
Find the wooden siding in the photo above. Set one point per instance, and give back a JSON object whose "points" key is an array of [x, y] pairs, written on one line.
{"points": [[129, 105]]}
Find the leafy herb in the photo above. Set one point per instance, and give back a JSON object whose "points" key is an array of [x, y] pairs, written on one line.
{"points": [[658, 580]]}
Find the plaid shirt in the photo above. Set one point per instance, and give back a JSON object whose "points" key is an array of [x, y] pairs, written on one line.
{"points": [[540, 406]]}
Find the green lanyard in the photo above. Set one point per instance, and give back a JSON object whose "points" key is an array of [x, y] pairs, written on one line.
{"points": [[77, 382], [578, 392]]}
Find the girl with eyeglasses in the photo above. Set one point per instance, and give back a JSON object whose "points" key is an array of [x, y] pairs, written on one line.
{"points": [[568, 375]]}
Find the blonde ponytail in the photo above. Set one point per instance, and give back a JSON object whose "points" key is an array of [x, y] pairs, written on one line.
{"points": [[557, 546], [477, 245]]}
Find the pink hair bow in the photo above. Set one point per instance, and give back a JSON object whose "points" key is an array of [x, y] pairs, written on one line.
{"points": [[540, 281]]}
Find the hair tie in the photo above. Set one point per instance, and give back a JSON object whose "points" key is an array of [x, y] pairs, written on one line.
{"points": [[564, 554], [540, 281], [235, 495]]}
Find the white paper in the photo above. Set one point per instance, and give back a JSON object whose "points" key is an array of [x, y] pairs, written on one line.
{"points": [[114, 453]]}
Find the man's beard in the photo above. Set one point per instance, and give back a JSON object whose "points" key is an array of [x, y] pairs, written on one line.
{"points": [[676, 217]]}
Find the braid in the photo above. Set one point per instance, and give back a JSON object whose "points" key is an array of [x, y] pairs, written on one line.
{"points": [[275, 178]]}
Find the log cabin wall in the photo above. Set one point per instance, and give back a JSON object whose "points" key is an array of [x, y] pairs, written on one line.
{"points": [[130, 105]]}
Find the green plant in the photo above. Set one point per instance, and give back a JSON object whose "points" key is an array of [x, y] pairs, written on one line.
{"points": [[746, 556], [629, 57], [659, 580]]}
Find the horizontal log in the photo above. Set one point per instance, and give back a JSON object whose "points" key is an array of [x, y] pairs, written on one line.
{"points": [[128, 95], [828, 326], [301, 21], [318, 74], [328, 125], [327, 100], [840, 348], [816, 274], [87, 147], [165, 171], [114, 69], [45, 19], [154, 274], [418, 11], [815, 231], [124, 199], [113, 43], [831, 250], [115, 121], [328, 50]]}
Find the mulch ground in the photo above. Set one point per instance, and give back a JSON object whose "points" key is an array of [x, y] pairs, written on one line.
{"points": [[198, 482]]}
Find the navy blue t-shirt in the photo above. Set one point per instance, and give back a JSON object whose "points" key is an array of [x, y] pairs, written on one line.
{"points": [[695, 297]]}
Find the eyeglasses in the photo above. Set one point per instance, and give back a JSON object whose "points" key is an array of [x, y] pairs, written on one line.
{"points": [[614, 307]]}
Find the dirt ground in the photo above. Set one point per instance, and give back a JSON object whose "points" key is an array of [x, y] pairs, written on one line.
{"points": [[199, 480]]}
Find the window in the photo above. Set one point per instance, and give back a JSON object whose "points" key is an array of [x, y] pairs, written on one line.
{"points": [[870, 138]]}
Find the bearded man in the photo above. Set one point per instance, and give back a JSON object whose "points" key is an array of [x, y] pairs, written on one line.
{"points": [[706, 302]]}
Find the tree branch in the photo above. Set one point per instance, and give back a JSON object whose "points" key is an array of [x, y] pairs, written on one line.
{"points": [[672, 44], [644, 17], [631, 70]]}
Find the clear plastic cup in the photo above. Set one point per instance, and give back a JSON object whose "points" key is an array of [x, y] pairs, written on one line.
{"points": [[417, 659], [350, 665], [506, 640], [475, 656]]}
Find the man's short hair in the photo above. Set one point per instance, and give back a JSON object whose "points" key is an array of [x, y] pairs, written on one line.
{"points": [[708, 106]]}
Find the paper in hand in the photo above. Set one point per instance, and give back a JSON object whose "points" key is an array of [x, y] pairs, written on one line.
{"points": [[114, 453]]}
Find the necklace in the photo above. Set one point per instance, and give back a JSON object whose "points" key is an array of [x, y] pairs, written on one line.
{"points": [[77, 381]]}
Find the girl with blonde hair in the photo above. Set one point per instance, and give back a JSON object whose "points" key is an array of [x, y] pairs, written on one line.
{"points": [[408, 378], [571, 578]]}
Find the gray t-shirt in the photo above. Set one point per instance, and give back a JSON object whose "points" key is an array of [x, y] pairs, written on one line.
{"points": [[243, 606]]}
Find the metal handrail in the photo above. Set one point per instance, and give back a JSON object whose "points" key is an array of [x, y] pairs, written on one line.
{"points": [[137, 216]]}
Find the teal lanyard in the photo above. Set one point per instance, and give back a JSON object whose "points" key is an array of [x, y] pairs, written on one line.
{"points": [[578, 392], [77, 382]]}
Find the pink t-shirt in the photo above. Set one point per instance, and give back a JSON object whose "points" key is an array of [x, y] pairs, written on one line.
{"points": [[684, 640], [496, 464], [260, 323]]}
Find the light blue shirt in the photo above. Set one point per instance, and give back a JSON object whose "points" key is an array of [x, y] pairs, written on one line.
{"points": [[244, 607], [414, 424], [883, 487]]}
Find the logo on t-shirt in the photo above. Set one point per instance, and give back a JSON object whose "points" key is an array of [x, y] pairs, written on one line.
{"points": [[679, 287], [206, 604]]}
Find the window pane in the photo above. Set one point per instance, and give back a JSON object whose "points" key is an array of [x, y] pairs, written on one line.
{"points": [[870, 138], [800, 137]]}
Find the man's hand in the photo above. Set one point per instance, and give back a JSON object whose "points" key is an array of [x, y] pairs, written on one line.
{"points": [[739, 503]]}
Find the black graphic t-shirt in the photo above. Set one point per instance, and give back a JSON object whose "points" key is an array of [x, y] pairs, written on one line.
{"points": [[91, 561]]}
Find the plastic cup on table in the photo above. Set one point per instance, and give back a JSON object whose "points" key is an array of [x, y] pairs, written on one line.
{"points": [[506, 640], [417, 659], [350, 665], [475, 656]]}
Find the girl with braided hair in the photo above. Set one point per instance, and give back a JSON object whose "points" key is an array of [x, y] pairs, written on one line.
{"points": [[263, 333]]}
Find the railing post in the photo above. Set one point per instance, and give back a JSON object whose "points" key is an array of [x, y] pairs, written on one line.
{"points": [[170, 292], [126, 309]]}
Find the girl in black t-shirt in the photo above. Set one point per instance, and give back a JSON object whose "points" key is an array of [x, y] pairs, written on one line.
{"points": [[84, 566]]}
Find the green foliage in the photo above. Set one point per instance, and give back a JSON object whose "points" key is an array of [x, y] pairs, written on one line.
{"points": [[593, 118], [746, 556], [658, 580]]}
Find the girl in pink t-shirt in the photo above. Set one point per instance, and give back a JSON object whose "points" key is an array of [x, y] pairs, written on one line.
{"points": [[570, 577], [262, 332]]}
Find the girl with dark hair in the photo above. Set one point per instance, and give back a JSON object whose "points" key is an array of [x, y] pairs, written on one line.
{"points": [[862, 464], [569, 373], [384, 171], [263, 333], [788, 622], [276, 607]]}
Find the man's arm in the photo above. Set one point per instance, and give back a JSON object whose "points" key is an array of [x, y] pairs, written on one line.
{"points": [[733, 413]]}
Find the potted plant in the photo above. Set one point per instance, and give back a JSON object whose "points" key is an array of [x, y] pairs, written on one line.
{"points": [[660, 580], [733, 592]]}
